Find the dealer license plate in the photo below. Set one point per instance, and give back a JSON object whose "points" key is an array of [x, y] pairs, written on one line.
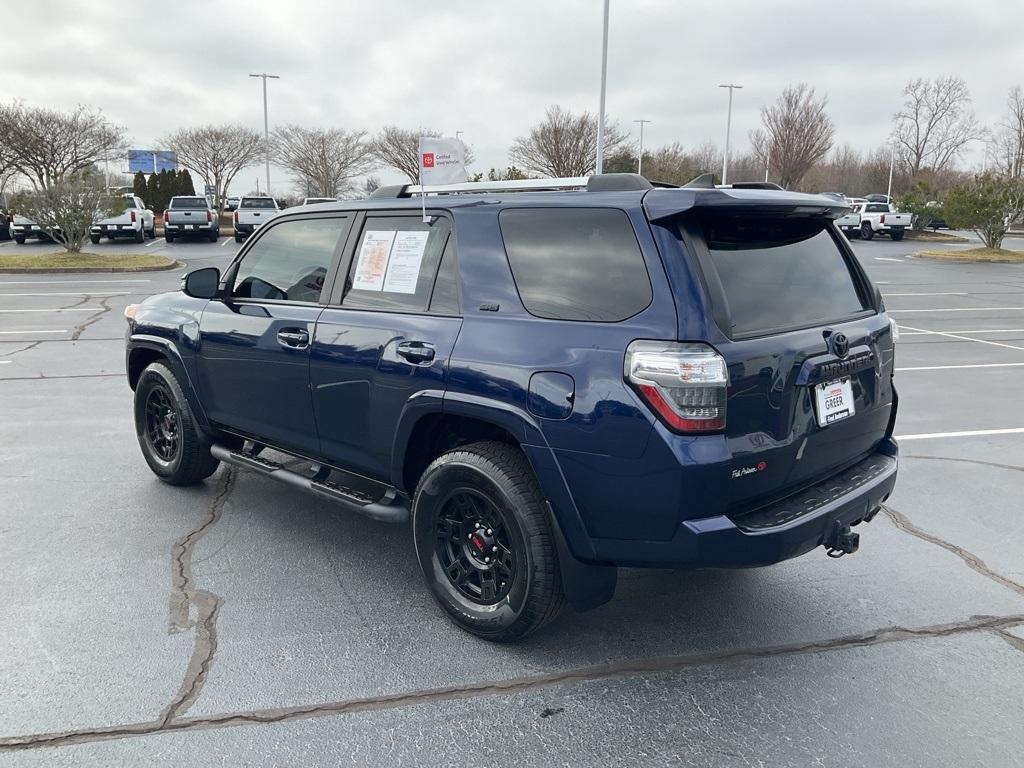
{"points": [[834, 401], [189, 226]]}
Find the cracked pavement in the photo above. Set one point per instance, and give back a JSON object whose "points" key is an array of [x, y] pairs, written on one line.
{"points": [[292, 633]]}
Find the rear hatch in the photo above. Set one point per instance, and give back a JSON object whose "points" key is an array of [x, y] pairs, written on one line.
{"points": [[188, 210], [255, 210], [809, 356]]}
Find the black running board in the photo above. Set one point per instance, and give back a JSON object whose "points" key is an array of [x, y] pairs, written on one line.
{"points": [[389, 508]]}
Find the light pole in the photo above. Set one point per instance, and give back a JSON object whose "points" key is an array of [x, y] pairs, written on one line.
{"points": [[604, 81], [266, 124], [892, 165], [728, 130], [640, 157]]}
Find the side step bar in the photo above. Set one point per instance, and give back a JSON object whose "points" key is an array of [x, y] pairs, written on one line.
{"points": [[390, 508]]}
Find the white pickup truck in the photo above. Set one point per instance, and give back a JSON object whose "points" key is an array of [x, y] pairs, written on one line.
{"points": [[849, 224], [136, 222], [23, 228], [251, 213], [882, 219]]}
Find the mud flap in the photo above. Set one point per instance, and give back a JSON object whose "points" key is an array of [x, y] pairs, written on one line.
{"points": [[586, 586]]}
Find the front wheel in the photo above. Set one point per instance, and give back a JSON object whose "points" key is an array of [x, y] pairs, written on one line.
{"points": [[19, 239], [866, 232], [484, 542], [168, 435]]}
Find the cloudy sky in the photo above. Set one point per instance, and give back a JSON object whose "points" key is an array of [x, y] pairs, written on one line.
{"points": [[489, 68]]}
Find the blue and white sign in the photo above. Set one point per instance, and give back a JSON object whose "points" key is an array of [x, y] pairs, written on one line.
{"points": [[144, 160]]}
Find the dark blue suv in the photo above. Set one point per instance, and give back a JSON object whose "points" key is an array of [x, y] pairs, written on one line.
{"points": [[549, 383]]}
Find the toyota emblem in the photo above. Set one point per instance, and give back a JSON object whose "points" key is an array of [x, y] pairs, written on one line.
{"points": [[840, 344]]}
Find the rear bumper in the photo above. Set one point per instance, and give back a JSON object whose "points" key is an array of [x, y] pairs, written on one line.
{"points": [[784, 530], [123, 230], [245, 229], [184, 229]]}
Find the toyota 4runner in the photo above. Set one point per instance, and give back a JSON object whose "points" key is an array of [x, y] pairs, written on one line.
{"points": [[548, 378]]}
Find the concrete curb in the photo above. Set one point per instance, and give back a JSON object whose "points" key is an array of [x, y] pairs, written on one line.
{"points": [[952, 259], [85, 270]]}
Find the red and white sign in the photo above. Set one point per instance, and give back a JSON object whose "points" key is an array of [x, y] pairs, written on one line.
{"points": [[442, 161], [428, 160]]}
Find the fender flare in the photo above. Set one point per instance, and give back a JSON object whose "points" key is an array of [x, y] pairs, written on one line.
{"points": [[170, 352]]}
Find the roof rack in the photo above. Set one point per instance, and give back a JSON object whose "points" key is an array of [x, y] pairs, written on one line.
{"points": [[605, 182]]}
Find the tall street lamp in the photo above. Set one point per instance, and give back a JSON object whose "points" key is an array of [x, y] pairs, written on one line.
{"points": [[266, 124], [728, 130], [640, 158], [604, 80]]}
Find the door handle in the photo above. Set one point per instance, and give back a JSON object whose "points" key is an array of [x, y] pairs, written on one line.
{"points": [[295, 338], [417, 352]]}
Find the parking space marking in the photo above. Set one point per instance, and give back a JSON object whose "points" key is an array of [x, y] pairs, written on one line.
{"points": [[966, 338], [954, 309], [55, 309], [967, 433], [226, 241], [72, 293], [986, 330], [956, 293], [5, 362], [155, 242], [22, 333], [69, 282], [886, 258], [951, 367]]}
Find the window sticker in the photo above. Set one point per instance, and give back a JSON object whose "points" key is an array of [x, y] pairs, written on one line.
{"points": [[403, 272], [373, 260]]}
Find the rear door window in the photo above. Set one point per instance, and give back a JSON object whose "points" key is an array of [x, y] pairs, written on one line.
{"points": [[576, 263], [777, 274], [190, 203]]}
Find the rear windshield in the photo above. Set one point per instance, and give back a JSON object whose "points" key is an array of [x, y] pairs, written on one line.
{"points": [[877, 208], [189, 202], [780, 273], [257, 202]]}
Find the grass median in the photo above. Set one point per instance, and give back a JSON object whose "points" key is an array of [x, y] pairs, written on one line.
{"points": [[994, 255], [85, 262]]}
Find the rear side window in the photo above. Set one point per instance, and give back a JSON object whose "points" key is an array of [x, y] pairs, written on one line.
{"points": [[877, 208], [780, 273], [189, 203], [576, 263]]}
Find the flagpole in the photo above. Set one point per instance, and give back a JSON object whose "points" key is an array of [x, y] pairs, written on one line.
{"points": [[423, 189]]}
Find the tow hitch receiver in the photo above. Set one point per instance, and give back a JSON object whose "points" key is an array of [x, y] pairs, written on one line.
{"points": [[841, 540]]}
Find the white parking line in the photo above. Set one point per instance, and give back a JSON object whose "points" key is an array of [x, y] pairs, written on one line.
{"points": [[968, 433], [955, 309], [987, 330], [73, 293], [57, 309], [226, 241], [886, 258], [957, 293], [966, 338], [951, 367], [71, 282], [155, 242], [22, 333], [5, 362]]}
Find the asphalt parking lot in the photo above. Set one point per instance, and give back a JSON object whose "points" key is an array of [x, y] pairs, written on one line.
{"points": [[242, 623]]}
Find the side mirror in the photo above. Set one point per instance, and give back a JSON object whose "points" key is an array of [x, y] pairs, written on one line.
{"points": [[202, 283]]}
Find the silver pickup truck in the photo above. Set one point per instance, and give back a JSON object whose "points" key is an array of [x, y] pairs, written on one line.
{"points": [[251, 213], [190, 217]]}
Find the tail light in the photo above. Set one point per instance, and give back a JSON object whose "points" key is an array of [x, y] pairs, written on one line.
{"points": [[684, 384], [236, 217], [883, 219], [167, 217], [209, 215], [133, 216]]}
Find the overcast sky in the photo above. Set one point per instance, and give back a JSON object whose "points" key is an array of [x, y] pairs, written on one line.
{"points": [[489, 68]]}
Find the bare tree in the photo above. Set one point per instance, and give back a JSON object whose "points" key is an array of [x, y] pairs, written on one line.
{"points": [[216, 152], [1008, 139], [325, 161], [68, 206], [935, 124], [45, 145], [564, 144], [797, 134], [399, 148]]}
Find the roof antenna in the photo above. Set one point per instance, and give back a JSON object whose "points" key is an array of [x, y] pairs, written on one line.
{"points": [[704, 181]]}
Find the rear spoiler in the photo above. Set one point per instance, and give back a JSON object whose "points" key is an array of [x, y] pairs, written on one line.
{"points": [[661, 204]]}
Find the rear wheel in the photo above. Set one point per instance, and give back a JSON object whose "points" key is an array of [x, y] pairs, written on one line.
{"points": [[19, 239], [94, 239], [896, 234], [214, 236], [169, 237], [484, 542], [140, 235], [238, 238], [866, 232], [168, 435]]}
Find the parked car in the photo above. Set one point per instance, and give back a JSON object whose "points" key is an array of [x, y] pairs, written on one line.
{"points": [[23, 229], [315, 200], [190, 216], [549, 385], [136, 221], [231, 203], [849, 222], [882, 219], [252, 213]]}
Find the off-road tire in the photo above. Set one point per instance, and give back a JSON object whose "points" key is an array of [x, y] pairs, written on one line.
{"points": [[191, 461], [866, 232], [19, 239], [140, 235], [499, 474], [94, 239], [896, 234]]}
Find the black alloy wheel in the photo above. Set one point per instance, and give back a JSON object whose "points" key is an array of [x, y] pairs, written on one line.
{"points": [[474, 547], [162, 424]]}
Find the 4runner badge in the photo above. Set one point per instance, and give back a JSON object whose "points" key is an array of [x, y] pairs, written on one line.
{"points": [[742, 471]]}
